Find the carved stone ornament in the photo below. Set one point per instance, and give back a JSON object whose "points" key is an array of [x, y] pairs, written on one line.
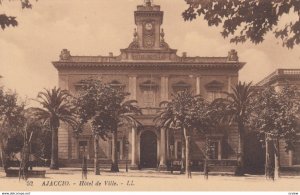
{"points": [[65, 54], [233, 55]]}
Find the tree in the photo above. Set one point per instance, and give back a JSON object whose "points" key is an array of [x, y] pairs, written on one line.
{"points": [[56, 107], [7, 21], [275, 118], [184, 112], [248, 20], [236, 107], [106, 109], [90, 110], [11, 119], [118, 113]]}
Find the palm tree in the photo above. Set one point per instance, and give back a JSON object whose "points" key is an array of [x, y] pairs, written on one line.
{"points": [[180, 114], [55, 108], [236, 107], [122, 114]]}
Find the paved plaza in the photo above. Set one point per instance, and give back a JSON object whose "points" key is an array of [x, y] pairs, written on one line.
{"points": [[146, 180]]}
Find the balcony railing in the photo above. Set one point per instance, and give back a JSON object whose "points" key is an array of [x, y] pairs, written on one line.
{"points": [[151, 110], [279, 72]]}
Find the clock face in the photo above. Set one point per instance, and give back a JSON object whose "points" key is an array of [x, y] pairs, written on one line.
{"points": [[148, 26]]}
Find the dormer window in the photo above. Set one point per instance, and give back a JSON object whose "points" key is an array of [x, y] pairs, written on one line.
{"points": [[180, 86], [214, 90]]}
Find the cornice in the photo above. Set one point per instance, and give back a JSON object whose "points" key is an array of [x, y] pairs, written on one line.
{"points": [[147, 65]]}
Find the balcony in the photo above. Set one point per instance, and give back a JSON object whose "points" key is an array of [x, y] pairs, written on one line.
{"points": [[151, 110]]}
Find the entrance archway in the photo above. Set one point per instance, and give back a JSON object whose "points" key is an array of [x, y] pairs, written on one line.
{"points": [[148, 150]]}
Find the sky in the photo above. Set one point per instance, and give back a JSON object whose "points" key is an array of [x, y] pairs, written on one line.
{"points": [[97, 27]]}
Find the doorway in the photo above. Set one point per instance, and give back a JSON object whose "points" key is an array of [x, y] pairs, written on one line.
{"points": [[148, 150]]}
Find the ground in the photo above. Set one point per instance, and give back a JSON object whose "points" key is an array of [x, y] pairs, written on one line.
{"points": [[146, 180]]}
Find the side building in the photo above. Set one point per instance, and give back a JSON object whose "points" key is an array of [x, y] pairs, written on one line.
{"points": [[151, 71], [280, 78]]}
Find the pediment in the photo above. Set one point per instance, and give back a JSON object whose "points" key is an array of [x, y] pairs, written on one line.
{"points": [[214, 85], [116, 84], [181, 84], [149, 84]]}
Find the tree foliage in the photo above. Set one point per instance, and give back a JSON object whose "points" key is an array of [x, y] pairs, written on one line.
{"points": [[185, 113], [248, 20], [11, 119], [7, 21], [276, 115], [275, 118], [236, 107], [106, 108], [56, 107]]}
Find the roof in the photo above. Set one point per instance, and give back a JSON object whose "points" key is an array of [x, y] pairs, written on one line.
{"points": [[280, 74]]}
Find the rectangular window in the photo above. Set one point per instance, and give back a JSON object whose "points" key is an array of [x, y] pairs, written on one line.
{"points": [[83, 149], [149, 98], [179, 150], [212, 95], [119, 149], [213, 150], [296, 154]]}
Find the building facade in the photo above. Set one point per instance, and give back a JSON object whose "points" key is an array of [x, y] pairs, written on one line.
{"points": [[279, 79], [151, 71]]}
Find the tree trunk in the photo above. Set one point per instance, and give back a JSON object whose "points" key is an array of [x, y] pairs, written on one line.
{"points": [[240, 156], [277, 159], [114, 165], [206, 158], [187, 157], [182, 153], [24, 161], [3, 156], [267, 159], [187, 160], [54, 152], [96, 157], [270, 163]]}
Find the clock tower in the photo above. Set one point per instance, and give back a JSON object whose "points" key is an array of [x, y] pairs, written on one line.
{"points": [[148, 19]]}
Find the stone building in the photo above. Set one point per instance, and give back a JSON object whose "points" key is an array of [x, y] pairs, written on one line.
{"points": [[151, 71], [279, 79]]}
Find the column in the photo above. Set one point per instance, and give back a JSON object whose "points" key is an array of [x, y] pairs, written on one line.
{"points": [[198, 85], [229, 84], [168, 144], [162, 163], [132, 87], [290, 158], [164, 88], [121, 150], [175, 150], [220, 150], [133, 149]]}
